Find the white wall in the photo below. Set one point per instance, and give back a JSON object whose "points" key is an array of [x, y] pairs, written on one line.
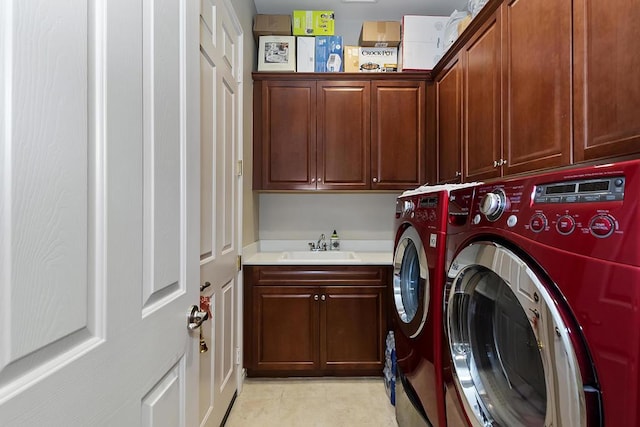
{"points": [[245, 10], [298, 216]]}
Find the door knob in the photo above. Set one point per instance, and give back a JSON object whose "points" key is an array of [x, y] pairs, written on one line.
{"points": [[205, 286], [195, 317]]}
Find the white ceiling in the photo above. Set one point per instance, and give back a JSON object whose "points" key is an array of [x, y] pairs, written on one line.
{"points": [[349, 16], [365, 11]]}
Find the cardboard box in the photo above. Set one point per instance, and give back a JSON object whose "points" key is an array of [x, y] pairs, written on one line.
{"points": [[380, 34], [328, 54], [306, 58], [378, 59], [313, 22], [351, 59], [271, 25], [422, 41]]}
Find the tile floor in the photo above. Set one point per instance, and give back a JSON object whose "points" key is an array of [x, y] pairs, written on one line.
{"points": [[312, 402]]}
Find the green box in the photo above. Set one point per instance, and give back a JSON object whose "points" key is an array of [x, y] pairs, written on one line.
{"points": [[313, 22]]}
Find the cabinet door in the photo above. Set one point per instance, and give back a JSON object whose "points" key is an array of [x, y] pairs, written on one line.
{"points": [[482, 134], [449, 122], [285, 328], [397, 134], [344, 122], [536, 75], [288, 137], [607, 86], [352, 329]]}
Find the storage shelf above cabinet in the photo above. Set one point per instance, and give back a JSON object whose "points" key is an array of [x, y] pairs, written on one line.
{"points": [[261, 75]]}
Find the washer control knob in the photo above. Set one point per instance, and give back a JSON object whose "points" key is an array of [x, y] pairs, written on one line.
{"points": [[512, 221], [493, 204], [538, 223], [408, 206], [565, 225], [602, 226]]}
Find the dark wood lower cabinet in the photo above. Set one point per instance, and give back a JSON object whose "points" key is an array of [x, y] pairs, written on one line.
{"points": [[315, 320]]}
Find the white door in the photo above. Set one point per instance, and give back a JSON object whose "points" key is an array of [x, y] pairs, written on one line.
{"points": [[99, 224], [220, 74]]}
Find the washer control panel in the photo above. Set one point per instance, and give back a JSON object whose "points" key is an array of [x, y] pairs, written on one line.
{"points": [[581, 191], [591, 210]]}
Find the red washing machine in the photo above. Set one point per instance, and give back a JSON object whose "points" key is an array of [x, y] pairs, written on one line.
{"points": [[542, 300], [419, 256]]}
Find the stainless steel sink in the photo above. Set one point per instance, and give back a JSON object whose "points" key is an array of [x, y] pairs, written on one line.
{"points": [[319, 256]]}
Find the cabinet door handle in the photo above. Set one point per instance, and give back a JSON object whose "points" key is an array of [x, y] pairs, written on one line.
{"points": [[315, 297], [323, 297]]}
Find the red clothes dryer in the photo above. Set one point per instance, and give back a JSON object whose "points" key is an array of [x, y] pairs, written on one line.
{"points": [[542, 300], [419, 256]]}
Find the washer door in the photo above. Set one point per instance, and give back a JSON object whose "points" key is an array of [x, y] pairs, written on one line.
{"points": [[511, 351], [411, 282]]}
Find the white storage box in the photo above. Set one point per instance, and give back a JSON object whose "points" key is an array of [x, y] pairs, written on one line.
{"points": [[306, 59], [422, 41]]}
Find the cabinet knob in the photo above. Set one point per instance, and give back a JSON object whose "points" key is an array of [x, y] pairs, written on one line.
{"points": [[315, 297], [313, 180], [504, 162], [495, 164], [323, 297], [375, 179], [458, 173], [319, 179]]}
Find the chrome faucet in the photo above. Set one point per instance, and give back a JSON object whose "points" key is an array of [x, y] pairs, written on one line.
{"points": [[320, 245]]}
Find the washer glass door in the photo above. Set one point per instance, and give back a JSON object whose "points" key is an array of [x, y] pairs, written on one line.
{"points": [[411, 282], [513, 359]]}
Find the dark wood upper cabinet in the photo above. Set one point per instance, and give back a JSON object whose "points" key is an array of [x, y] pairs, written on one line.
{"points": [[515, 93], [287, 135], [606, 42], [449, 122], [536, 92], [339, 131], [343, 133], [398, 134], [482, 143]]}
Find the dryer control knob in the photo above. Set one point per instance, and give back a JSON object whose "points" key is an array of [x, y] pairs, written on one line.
{"points": [[565, 225], [538, 223], [493, 204], [602, 226]]}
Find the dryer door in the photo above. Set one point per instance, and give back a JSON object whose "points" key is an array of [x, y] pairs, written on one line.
{"points": [[411, 283], [513, 359]]}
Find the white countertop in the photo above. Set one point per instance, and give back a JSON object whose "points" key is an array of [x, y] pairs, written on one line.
{"points": [[270, 252]]}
